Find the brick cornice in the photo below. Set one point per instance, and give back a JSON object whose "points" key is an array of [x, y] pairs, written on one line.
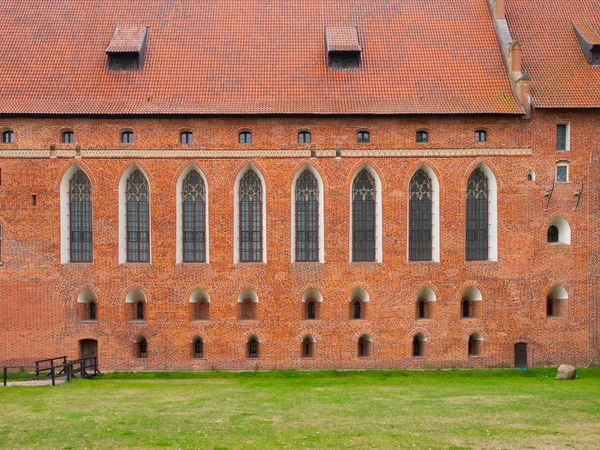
{"points": [[183, 154]]}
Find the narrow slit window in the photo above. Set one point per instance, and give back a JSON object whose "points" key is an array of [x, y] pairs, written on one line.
{"points": [[562, 137]]}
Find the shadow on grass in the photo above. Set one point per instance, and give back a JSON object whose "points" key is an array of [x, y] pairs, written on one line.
{"points": [[381, 374]]}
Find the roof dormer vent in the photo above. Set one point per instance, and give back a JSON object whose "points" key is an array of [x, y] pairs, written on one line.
{"points": [[127, 48], [589, 39], [343, 48]]}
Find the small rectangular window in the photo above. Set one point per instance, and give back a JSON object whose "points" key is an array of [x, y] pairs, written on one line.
{"points": [[34, 200], [0, 244], [562, 137], [562, 173]]}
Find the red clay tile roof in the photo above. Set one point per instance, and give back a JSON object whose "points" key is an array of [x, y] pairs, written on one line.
{"points": [[589, 33], [252, 57], [342, 39], [561, 76], [127, 40]]}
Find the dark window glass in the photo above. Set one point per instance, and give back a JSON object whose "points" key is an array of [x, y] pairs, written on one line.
{"points": [[68, 137], [481, 136], [530, 176], [250, 218], [550, 307], [92, 307], [363, 137], [306, 352], [477, 216], [420, 217], [304, 137], [422, 137], [562, 173], [0, 244], [561, 137], [186, 137], [465, 308], [140, 311], [363, 217], [357, 311], [8, 137], [80, 202], [307, 218], [143, 348], [253, 348], [245, 137], [552, 233], [416, 346], [138, 218], [421, 309], [198, 349], [311, 310], [127, 137], [364, 347], [194, 218]]}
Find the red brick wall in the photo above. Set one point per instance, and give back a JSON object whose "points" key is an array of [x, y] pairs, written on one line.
{"points": [[39, 316]]}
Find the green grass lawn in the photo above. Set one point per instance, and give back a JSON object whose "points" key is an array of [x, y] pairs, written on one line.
{"points": [[381, 409]]}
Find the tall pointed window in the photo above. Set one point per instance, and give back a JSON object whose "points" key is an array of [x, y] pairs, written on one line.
{"points": [[80, 199], [307, 220], [194, 218], [363, 217], [477, 216], [420, 217], [250, 218], [138, 218]]}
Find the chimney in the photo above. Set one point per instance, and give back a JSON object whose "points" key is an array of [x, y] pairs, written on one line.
{"points": [[499, 9], [524, 93], [514, 60]]}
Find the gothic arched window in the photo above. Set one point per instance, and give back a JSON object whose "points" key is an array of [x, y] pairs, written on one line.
{"points": [[138, 218], [80, 199], [363, 217], [250, 218], [307, 218], [420, 217], [477, 216], [194, 218]]}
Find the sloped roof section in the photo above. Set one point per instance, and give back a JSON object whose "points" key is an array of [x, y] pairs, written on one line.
{"points": [[342, 39], [561, 75], [251, 57], [127, 40]]}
